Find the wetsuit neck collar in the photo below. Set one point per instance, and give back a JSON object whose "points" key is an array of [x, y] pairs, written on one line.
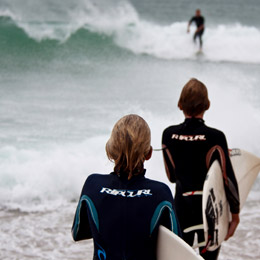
{"points": [[124, 176], [194, 119]]}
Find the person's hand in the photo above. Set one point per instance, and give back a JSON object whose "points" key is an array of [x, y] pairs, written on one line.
{"points": [[232, 226]]}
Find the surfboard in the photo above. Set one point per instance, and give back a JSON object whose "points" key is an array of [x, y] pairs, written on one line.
{"points": [[199, 53], [172, 247], [216, 214]]}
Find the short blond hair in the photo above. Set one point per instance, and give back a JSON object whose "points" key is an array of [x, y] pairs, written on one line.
{"points": [[194, 98], [129, 144]]}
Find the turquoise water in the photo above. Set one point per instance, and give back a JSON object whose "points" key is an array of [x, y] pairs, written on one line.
{"points": [[70, 69]]}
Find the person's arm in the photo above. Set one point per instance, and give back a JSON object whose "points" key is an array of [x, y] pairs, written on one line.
{"points": [[200, 28], [189, 23], [233, 198], [221, 153], [233, 225], [81, 228], [168, 164], [231, 188], [168, 216], [81, 224]]}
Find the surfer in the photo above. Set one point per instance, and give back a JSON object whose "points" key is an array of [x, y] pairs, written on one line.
{"points": [[188, 150], [122, 210], [199, 20]]}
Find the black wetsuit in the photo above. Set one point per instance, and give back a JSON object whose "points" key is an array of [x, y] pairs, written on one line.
{"points": [[191, 148], [199, 20], [122, 216]]}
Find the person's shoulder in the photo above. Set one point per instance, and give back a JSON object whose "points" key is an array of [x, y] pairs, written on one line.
{"points": [[94, 177], [168, 132], [94, 181], [171, 128], [161, 186], [215, 131]]}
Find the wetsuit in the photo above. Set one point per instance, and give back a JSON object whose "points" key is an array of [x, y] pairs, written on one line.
{"points": [[191, 147], [122, 216], [199, 20]]}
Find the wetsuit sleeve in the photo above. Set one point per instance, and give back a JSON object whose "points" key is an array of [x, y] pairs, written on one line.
{"points": [[165, 213], [231, 186], [168, 160], [85, 216], [221, 153], [192, 19], [81, 228], [169, 219]]}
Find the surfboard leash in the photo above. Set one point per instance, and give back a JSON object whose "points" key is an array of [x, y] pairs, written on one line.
{"points": [[159, 149]]}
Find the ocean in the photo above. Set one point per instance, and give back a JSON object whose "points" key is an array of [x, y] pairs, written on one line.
{"points": [[70, 69]]}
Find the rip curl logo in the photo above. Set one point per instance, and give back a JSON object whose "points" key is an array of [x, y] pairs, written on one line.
{"points": [[127, 193], [101, 253], [189, 137]]}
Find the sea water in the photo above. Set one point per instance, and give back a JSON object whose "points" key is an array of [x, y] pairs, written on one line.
{"points": [[70, 69]]}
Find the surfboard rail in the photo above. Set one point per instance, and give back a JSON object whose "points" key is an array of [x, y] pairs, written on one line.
{"points": [[172, 247]]}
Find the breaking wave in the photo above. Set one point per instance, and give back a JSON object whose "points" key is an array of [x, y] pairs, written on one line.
{"points": [[117, 24]]}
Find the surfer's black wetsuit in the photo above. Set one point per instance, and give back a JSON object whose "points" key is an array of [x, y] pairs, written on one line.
{"points": [[199, 20], [122, 216], [191, 148]]}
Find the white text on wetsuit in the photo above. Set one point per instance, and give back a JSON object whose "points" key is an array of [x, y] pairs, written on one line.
{"points": [[189, 137], [126, 193]]}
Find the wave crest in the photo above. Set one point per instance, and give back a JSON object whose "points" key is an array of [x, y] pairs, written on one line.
{"points": [[121, 22]]}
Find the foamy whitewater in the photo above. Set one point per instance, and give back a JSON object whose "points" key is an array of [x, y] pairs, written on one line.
{"points": [[70, 69]]}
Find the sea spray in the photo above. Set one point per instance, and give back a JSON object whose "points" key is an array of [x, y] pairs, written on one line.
{"points": [[121, 22]]}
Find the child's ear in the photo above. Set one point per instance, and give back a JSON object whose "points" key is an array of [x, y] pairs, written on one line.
{"points": [[149, 155], [180, 106], [208, 105]]}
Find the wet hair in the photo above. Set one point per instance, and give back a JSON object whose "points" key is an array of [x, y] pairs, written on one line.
{"points": [[129, 144], [194, 98]]}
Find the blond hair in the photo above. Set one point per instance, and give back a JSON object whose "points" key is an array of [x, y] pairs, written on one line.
{"points": [[194, 98], [129, 145]]}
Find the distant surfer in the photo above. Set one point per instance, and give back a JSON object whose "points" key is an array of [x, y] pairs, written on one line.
{"points": [[189, 149], [199, 20], [122, 210]]}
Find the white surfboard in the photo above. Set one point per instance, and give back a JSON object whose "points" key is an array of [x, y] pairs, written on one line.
{"points": [[172, 247], [216, 214]]}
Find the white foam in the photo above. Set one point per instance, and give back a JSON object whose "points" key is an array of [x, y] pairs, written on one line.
{"points": [[236, 43], [35, 177], [119, 19], [31, 178]]}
